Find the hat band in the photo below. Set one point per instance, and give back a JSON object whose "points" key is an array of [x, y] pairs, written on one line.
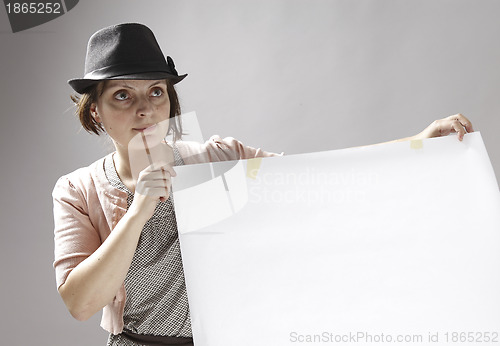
{"points": [[129, 69]]}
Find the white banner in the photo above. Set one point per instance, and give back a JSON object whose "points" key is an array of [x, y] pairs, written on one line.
{"points": [[395, 243]]}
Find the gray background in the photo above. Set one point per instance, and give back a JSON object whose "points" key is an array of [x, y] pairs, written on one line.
{"points": [[294, 76]]}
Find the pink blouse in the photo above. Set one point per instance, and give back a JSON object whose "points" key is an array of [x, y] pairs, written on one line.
{"points": [[87, 208]]}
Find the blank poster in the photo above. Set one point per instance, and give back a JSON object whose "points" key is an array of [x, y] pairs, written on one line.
{"points": [[392, 243]]}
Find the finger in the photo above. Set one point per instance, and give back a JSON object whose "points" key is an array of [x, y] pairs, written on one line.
{"points": [[160, 191], [154, 175], [166, 166], [162, 181], [170, 169], [159, 168], [465, 122], [154, 190], [151, 168], [156, 194], [166, 181], [458, 128], [164, 173]]}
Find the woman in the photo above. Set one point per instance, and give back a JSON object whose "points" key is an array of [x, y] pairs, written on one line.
{"points": [[134, 273]]}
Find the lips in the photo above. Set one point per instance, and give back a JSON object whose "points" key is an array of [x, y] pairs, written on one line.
{"points": [[147, 129]]}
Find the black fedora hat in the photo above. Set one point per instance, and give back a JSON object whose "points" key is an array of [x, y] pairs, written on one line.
{"points": [[124, 51]]}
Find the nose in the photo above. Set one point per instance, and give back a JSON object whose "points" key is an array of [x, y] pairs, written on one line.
{"points": [[144, 107]]}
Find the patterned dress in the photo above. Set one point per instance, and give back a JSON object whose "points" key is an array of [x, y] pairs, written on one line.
{"points": [[156, 301]]}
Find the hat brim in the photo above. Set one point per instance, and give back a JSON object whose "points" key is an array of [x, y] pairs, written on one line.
{"points": [[82, 85]]}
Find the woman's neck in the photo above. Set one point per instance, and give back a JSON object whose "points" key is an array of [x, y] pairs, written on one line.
{"points": [[122, 166]]}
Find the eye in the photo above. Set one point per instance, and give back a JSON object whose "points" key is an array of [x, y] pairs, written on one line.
{"points": [[157, 92], [122, 96]]}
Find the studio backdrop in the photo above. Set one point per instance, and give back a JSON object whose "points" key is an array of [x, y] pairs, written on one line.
{"points": [[293, 76]]}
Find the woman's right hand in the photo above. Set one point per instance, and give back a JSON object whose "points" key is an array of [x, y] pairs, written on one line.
{"points": [[153, 185]]}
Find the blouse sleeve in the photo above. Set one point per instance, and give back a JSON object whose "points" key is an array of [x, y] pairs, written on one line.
{"points": [[75, 238], [219, 149]]}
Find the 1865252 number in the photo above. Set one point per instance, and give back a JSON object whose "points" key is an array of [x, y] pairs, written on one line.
{"points": [[472, 337], [33, 8]]}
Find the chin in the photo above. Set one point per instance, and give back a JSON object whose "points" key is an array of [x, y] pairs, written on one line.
{"points": [[143, 139]]}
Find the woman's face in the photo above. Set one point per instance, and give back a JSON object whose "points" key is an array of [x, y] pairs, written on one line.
{"points": [[133, 108]]}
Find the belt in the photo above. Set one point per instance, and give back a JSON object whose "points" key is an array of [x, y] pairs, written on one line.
{"points": [[157, 340]]}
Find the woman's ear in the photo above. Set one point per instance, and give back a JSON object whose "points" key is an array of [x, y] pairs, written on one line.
{"points": [[94, 114]]}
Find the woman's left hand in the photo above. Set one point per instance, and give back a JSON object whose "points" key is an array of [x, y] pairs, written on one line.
{"points": [[443, 127]]}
